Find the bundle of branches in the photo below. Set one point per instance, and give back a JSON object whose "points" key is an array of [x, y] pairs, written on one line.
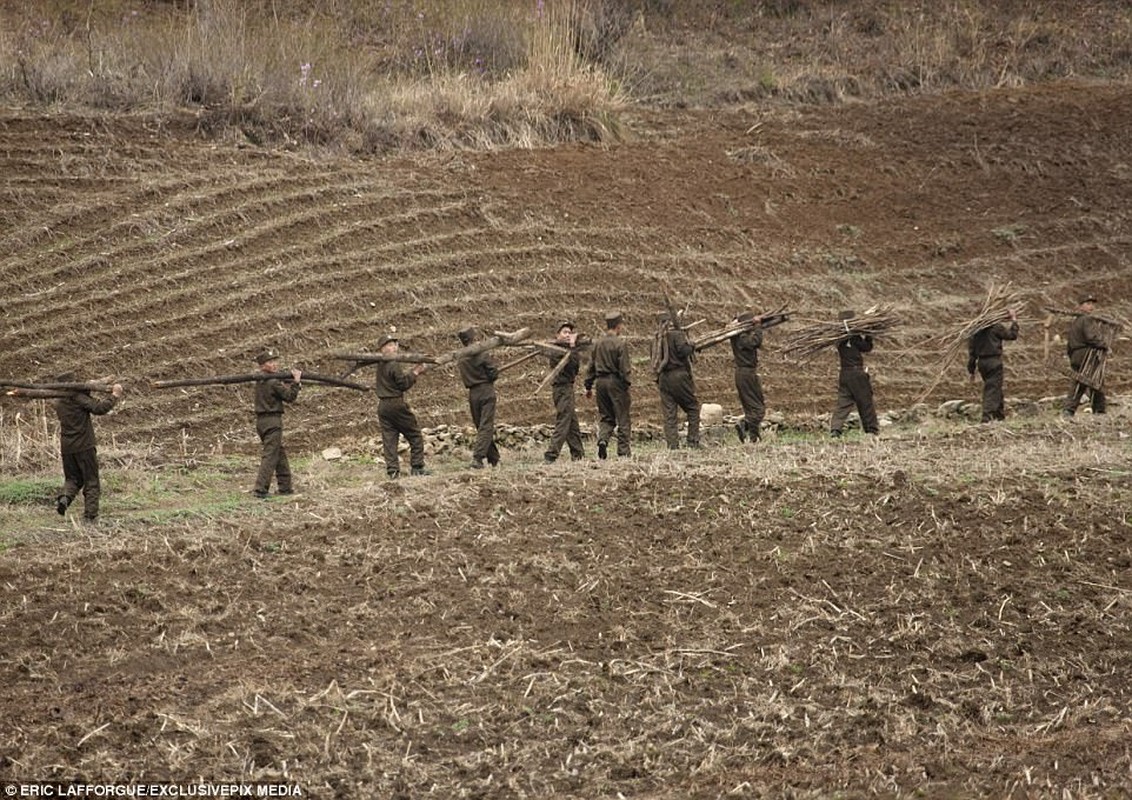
{"points": [[1092, 372], [733, 329], [817, 336], [1000, 303], [224, 380]]}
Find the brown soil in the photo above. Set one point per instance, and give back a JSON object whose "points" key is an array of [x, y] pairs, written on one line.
{"points": [[870, 620], [143, 251], [810, 620]]}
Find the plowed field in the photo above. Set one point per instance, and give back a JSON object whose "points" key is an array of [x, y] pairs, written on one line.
{"points": [[143, 251], [944, 612]]}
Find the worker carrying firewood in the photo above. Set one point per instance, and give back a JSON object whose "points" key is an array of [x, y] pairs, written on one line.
{"points": [[566, 429], [1087, 345], [745, 349], [478, 372], [393, 413], [984, 353], [609, 376], [270, 395], [853, 384], [671, 354], [77, 445]]}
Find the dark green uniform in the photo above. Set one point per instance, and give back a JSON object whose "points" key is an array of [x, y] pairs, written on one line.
{"points": [[745, 349], [270, 395], [609, 374], [79, 451], [984, 352], [1084, 336], [478, 372], [396, 418], [678, 389], [566, 430], [853, 385]]}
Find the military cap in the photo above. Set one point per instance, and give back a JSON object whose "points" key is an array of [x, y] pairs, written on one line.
{"points": [[264, 356], [564, 323], [844, 315], [1088, 297], [466, 335], [745, 316], [613, 319], [385, 339]]}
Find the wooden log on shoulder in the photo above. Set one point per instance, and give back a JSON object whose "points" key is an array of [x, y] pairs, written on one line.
{"points": [[225, 380], [497, 339], [733, 329], [100, 386], [377, 358], [37, 394]]}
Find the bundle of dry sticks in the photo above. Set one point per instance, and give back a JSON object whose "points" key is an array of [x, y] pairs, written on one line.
{"points": [[733, 329], [1093, 368], [817, 336], [1000, 305]]}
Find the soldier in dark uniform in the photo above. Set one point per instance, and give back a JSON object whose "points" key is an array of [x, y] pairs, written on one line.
{"points": [[610, 373], [671, 356], [853, 385], [270, 395], [478, 372], [566, 430], [393, 413], [1084, 336], [984, 352], [78, 448], [745, 349]]}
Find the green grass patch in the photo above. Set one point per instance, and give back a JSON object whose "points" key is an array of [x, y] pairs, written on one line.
{"points": [[28, 491]]}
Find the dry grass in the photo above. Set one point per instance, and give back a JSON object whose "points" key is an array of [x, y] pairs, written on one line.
{"points": [[816, 52], [369, 78]]}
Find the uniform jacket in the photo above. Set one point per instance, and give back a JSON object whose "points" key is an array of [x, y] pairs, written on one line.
{"points": [[478, 369], [680, 351], [393, 380], [76, 432], [270, 395], [987, 343], [1084, 332], [745, 347], [611, 357], [850, 351], [569, 372]]}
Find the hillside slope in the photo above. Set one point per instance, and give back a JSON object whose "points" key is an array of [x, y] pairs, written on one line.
{"points": [[146, 251]]}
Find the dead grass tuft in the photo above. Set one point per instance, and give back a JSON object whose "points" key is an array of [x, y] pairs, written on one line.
{"points": [[368, 79]]}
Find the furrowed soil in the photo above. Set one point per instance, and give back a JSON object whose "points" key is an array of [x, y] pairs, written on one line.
{"points": [[944, 611]]}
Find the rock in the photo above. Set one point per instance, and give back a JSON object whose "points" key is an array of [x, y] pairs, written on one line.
{"points": [[332, 453], [711, 414]]}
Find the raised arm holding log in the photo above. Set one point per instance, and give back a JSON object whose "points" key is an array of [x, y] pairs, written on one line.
{"points": [[77, 446], [564, 359]]}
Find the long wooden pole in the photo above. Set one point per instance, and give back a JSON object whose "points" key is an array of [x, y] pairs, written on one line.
{"points": [[377, 358], [497, 339], [60, 386], [521, 359], [37, 394], [223, 380]]}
